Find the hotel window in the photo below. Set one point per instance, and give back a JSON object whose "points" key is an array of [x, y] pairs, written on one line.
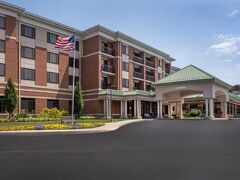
{"points": [[2, 22], [160, 63], [71, 62], [125, 66], [52, 58], [148, 87], [28, 74], [2, 107], [2, 46], [77, 46], [125, 83], [136, 86], [53, 104], [159, 76], [27, 52], [28, 31], [2, 69], [28, 104], [52, 77], [51, 38], [124, 49], [71, 80]]}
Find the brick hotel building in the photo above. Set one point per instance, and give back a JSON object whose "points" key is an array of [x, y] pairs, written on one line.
{"points": [[115, 70]]}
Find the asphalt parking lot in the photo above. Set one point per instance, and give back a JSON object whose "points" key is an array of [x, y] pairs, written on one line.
{"points": [[159, 149]]}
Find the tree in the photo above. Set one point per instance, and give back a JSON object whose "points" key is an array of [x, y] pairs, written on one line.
{"points": [[10, 97], [78, 99]]}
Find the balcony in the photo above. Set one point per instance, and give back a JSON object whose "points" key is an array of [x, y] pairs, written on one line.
{"points": [[138, 75], [105, 86], [108, 51], [150, 63], [107, 68], [138, 59], [150, 78]]}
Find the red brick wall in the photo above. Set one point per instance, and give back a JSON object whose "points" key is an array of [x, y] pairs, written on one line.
{"points": [[116, 65], [93, 107], [64, 104], [11, 59], [63, 70], [91, 70], [40, 104], [11, 26], [130, 52], [41, 66], [91, 45]]}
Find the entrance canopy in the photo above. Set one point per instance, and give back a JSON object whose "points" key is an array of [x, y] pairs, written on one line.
{"points": [[188, 81]]}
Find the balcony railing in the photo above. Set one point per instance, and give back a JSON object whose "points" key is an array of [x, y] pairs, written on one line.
{"points": [[138, 75], [151, 64], [138, 59], [107, 68], [108, 50], [150, 78]]}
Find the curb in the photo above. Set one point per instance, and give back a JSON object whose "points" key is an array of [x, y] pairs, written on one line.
{"points": [[108, 127]]}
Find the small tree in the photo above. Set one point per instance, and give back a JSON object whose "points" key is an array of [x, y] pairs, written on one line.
{"points": [[10, 97], [78, 99]]}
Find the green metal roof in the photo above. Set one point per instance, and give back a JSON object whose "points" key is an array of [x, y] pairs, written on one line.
{"points": [[128, 93], [190, 73], [234, 97]]}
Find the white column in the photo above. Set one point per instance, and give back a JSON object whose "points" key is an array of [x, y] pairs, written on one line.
{"points": [[206, 108], [160, 109], [139, 111], [170, 111], [135, 108], [104, 109], [225, 109], [125, 110], [122, 109], [211, 106], [181, 116]]}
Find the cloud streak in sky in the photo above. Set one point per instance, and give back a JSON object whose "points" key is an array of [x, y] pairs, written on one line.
{"points": [[227, 44]]}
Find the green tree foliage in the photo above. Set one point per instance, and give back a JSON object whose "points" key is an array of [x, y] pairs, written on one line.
{"points": [[10, 97], [78, 99]]}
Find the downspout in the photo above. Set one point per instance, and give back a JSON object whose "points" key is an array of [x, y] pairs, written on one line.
{"points": [[19, 62]]}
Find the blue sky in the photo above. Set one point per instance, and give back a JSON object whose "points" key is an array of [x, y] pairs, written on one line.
{"points": [[205, 33]]}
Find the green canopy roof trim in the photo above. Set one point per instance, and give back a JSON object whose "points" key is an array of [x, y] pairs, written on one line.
{"points": [[234, 97], [127, 93], [190, 73]]}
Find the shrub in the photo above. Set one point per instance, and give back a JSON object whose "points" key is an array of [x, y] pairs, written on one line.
{"points": [[193, 113], [22, 114], [64, 112], [90, 125], [51, 113], [87, 117]]}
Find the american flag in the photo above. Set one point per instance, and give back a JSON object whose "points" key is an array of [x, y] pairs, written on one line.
{"points": [[65, 43]]}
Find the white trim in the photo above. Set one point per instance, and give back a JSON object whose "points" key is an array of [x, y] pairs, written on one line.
{"points": [[91, 99], [40, 97]]}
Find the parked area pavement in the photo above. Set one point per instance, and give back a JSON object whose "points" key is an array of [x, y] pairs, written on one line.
{"points": [[105, 128], [150, 150]]}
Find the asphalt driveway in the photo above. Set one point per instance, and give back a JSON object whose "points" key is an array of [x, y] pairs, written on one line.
{"points": [[159, 149]]}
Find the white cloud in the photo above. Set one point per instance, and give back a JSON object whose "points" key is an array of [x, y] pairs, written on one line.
{"points": [[234, 13], [228, 44]]}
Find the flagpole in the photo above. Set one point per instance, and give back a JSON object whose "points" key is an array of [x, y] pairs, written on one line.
{"points": [[73, 83]]}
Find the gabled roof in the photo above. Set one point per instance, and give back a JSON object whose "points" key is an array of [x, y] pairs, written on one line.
{"points": [[190, 73]]}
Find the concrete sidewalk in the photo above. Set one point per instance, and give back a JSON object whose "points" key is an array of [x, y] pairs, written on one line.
{"points": [[106, 128]]}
